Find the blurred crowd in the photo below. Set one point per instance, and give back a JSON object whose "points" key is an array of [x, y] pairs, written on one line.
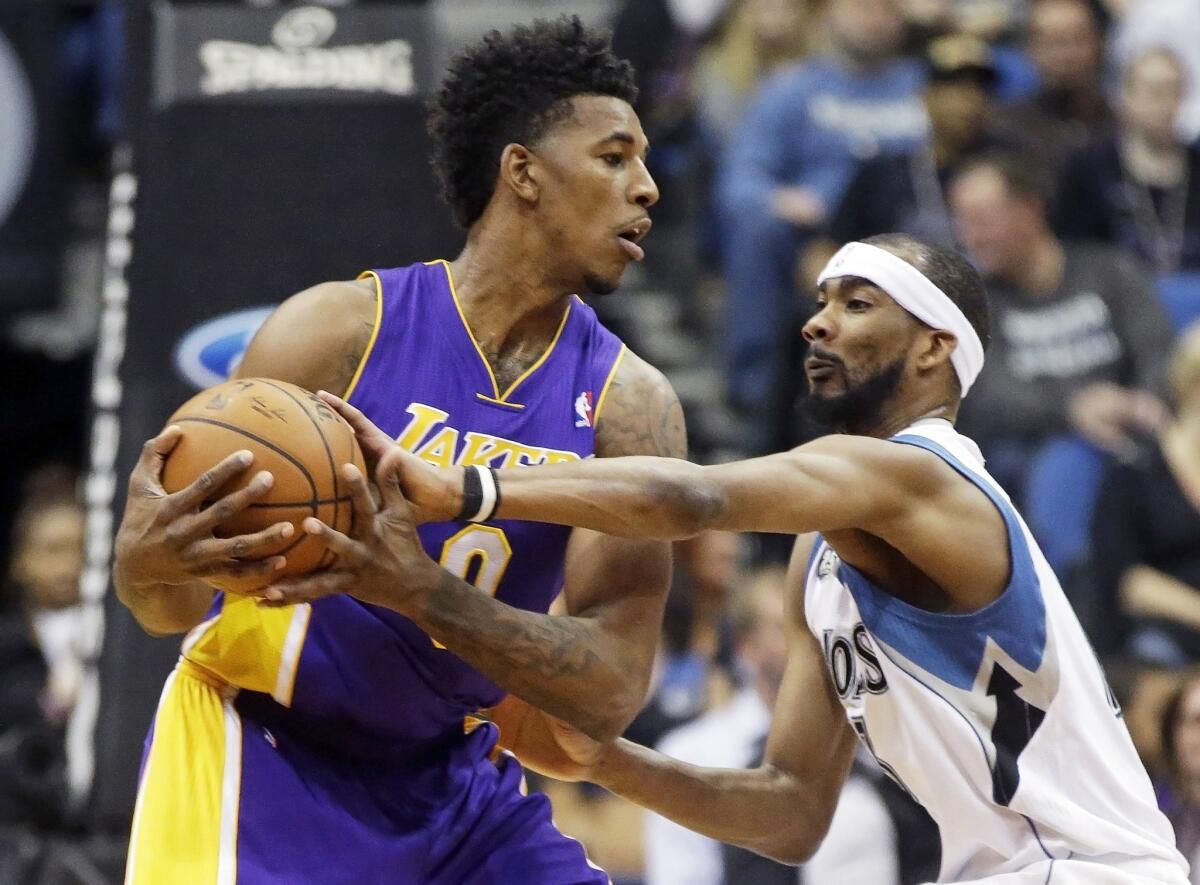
{"points": [[1056, 142]]}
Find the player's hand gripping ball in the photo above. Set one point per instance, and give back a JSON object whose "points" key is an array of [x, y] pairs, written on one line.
{"points": [[300, 440]]}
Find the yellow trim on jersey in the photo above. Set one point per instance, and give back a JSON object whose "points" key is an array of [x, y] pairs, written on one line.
{"points": [[498, 397], [612, 373], [499, 402], [545, 354], [362, 363], [186, 818]]}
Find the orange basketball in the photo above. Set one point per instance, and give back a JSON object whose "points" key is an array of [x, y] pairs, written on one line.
{"points": [[295, 436]]}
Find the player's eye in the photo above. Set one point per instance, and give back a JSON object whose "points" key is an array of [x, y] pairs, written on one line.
{"points": [[614, 160], [857, 304]]}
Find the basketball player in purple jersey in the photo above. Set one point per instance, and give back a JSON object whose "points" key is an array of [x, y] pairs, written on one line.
{"points": [[325, 743]]}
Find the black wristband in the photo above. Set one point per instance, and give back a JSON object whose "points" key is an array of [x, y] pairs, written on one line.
{"points": [[496, 484], [472, 494]]}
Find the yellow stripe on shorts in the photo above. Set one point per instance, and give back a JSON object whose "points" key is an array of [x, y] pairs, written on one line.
{"points": [[186, 817], [252, 647]]}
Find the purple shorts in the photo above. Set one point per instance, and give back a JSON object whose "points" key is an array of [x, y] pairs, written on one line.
{"points": [[225, 798]]}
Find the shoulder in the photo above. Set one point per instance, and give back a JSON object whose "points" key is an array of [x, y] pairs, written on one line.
{"points": [[317, 337], [878, 458], [640, 413]]}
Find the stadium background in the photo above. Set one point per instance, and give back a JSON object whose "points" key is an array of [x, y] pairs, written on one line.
{"points": [[168, 171]]}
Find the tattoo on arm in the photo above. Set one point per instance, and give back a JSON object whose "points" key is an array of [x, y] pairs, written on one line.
{"points": [[356, 349], [642, 415], [547, 661]]}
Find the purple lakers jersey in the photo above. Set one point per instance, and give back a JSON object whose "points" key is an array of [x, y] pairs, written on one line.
{"points": [[361, 673]]}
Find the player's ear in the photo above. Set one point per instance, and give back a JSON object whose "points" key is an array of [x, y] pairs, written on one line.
{"points": [[938, 345], [518, 171]]}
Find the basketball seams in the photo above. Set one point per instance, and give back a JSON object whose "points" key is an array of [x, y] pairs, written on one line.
{"points": [[299, 458], [274, 505], [333, 472], [313, 503]]}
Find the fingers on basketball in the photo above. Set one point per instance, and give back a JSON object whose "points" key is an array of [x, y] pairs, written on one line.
{"points": [[291, 434]]}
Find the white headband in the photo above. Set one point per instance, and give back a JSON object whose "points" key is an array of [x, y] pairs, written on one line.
{"points": [[913, 291]]}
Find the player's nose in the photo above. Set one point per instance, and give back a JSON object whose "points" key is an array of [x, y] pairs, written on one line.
{"points": [[643, 190], [819, 327]]}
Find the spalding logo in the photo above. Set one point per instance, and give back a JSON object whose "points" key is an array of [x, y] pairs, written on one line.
{"points": [[210, 352]]}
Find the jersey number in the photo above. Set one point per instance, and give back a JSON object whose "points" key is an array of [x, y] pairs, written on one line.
{"points": [[1016, 722], [479, 554]]}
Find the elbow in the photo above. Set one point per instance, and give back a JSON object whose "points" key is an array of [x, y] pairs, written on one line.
{"points": [[606, 722], [793, 845], [798, 838], [691, 505]]}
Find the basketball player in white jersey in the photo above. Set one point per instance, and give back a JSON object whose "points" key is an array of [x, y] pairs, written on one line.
{"points": [[924, 620]]}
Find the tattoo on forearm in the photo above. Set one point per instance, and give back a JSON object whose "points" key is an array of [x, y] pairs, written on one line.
{"points": [[528, 654]]}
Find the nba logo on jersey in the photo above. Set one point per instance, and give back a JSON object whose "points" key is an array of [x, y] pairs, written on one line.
{"points": [[583, 408]]}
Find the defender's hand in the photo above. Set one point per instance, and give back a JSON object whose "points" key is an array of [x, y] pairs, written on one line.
{"points": [[168, 539], [432, 494], [381, 561], [547, 745]]}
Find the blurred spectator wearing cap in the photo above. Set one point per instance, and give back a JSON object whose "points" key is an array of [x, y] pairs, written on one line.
{"points": [[787, 169], [1078, 349], [1146, 532], [906, 192], [1173, 24], [1066, 46], [1140, 186]]}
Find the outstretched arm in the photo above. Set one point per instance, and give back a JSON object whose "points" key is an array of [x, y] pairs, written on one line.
{"points": [[831, 483], [781, 809], [590, 667]]}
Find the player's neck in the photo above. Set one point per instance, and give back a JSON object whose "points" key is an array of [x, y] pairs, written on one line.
{"points": [[505, 299], [1041, 274], [906, 415]]}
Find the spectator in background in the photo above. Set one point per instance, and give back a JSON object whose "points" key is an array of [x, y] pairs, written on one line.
{"points": [[46, 564], [1153, 24], [787, 169], [985, 19], [905, 192], [1078, 349], [757, 38], [1146, 531], [1140, 186], [1181, 746], [1067, 48], [39, 651]]}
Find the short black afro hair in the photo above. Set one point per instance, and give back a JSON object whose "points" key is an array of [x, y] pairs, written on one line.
{"points": [[510, 88]]}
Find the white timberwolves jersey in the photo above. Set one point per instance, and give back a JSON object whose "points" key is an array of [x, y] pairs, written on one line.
{"points": [[999, 722]]}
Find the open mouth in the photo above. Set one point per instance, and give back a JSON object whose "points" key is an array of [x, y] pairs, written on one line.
{"points": [[632, 235]]}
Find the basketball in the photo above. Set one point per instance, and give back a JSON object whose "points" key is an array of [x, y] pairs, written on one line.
{"points": [[297, 438]]}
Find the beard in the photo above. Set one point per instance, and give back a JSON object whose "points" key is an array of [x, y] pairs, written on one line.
{"points": [[859, 407]]}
